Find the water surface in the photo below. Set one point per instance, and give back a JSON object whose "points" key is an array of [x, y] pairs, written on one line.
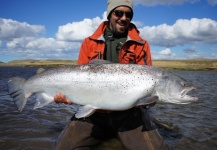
{"points": [[194, 126]]}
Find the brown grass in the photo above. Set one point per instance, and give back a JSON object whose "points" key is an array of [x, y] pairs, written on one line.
{"points": [[194, 64], [40, 63]]}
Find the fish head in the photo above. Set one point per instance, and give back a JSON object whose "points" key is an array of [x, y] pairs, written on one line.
{"points": [[174, 89]]}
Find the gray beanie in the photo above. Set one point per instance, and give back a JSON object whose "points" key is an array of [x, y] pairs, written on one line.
{"points": [[112, 4]]}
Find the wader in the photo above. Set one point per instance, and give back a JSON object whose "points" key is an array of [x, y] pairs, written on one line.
{"points": [[132, 127]]}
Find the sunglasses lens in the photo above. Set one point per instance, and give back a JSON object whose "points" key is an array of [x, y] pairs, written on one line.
{"points": [[129, 15], [120, 14]]}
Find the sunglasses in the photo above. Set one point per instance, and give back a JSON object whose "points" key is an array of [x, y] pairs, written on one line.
{"points": [[120, 13]]}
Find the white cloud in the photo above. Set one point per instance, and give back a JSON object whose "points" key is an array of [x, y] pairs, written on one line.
{"points": [[163, 54], [44, 47], [167, 51], [52, 44], [138, 23], [25, 40], [79, 30], [184, 31], [10, 29]]}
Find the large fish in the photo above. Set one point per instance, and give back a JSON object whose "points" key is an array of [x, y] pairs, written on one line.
{"points": [[113, 87]]}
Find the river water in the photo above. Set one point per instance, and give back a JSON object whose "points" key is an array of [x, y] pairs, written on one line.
{"points": [[194, 126]]}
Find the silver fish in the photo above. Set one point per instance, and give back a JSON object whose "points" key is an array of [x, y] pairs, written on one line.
{"points": [[112, 87]]}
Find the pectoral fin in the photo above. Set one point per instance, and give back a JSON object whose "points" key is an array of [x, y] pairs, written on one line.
{"points": [[146, 100], [84, 111], [42, 99]]}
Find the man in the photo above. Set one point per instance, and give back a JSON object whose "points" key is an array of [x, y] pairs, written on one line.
{"points": [[116, 40]]}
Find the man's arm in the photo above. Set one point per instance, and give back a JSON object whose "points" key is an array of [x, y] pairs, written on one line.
{"points": [[83, 54]]}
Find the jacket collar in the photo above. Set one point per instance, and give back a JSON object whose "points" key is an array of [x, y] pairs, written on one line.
{"points": [[133, 33]]}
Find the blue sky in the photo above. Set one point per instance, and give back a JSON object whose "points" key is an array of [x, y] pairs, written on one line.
{"points": [[54, 29]]}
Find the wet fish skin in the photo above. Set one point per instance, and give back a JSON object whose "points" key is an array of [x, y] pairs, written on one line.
{"points": [[113, 87]]}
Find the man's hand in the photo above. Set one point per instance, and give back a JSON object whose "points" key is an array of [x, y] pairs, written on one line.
{"points": [[60, 98]]}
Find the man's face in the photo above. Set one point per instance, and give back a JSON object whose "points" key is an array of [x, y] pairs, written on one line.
{"points": [[120, 19]]}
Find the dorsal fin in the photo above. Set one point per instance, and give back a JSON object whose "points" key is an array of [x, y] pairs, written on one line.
{"points": [[40, 70], [100, 61]]}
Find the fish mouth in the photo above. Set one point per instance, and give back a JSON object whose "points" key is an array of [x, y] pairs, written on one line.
{"points": [[188, 98]]}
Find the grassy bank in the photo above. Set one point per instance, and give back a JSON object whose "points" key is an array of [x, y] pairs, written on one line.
{"points": [[39, 63], [194, 64]]}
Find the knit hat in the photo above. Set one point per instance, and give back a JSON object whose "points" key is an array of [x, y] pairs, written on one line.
{"points": [[112, 4]]}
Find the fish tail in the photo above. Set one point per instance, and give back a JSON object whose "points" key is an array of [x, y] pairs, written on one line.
{"points": [[16, 90]]}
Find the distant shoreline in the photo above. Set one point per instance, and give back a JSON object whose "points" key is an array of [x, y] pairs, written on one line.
{"points": [[193, 64]]}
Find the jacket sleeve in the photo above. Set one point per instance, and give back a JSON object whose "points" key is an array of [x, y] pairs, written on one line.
{"points": [[148, 54], [83, 54]]}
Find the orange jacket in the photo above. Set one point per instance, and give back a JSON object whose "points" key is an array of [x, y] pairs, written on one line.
{"points": [[135, 49]]}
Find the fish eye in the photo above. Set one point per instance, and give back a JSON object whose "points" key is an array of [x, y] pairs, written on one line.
{"points": [[184, 84]]}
